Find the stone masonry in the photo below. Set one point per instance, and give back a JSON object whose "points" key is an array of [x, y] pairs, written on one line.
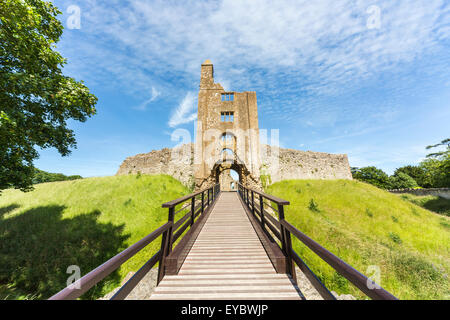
{"points": [[227, 133], [296, 164], [177, 162], [227, 138]]}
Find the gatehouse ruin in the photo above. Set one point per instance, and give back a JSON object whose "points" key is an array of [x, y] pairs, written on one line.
{"points": [[228, 139]]}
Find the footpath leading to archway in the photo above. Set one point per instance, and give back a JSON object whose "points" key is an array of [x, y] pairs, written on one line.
{"points": [[227, 262]]}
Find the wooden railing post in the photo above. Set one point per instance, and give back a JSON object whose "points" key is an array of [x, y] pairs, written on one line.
{"points": [[261, 209], [287, 245], [193, 211], [203, 202], [170, 230], [253, 203], [166, 245]]}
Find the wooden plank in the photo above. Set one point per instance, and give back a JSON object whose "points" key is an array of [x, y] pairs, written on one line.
{"points": [[227, 262], [229, 296]]}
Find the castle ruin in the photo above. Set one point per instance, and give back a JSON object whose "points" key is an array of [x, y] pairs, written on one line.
{"points": [[228, 138], [227, 133]]}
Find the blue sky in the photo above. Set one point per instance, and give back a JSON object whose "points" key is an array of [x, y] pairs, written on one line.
{"points": [[370, 79]]}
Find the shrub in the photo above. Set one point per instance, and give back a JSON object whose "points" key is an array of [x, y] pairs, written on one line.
{"points": [[372, 175], [395, 237], [313, 206], [401, 180], [415, 172], [41, 176]]}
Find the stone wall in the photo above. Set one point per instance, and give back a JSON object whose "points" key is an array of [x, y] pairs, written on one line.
{"points": [[438, 192], [278, 164], [285, 164], [218, 131], [177, 162]]}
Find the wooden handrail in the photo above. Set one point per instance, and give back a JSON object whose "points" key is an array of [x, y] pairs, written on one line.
{"points": [[167, 230], [98, 274], [347, 271], [269, 197], [176, 202], [286, 229]]}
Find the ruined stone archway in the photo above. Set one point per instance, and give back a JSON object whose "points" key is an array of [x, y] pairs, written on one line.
{"points": [[223, 165], [228, 179]]}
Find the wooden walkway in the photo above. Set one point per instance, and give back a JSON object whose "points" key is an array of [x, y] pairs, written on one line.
{"points": [[227, 262]]}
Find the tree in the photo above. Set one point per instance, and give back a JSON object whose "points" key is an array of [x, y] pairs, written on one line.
{"points": [[401, 180], [36, 99], [439, 154], [437, 166], [416, 172], [41, 176], [372, 175]]}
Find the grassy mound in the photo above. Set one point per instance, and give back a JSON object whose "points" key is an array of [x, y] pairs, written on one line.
{"points": [[366, 226], [83, 223]]}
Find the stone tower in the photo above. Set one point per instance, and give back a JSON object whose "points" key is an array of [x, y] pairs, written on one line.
{"points": [[227, 134]]}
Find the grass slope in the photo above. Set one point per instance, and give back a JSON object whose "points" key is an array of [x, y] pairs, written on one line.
{"points": [[432, 203], [83, 223], [366, 226]]}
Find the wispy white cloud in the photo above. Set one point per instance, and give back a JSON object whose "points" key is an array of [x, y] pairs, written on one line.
{"points": [[185, 112], [285, 49], [154, 95]]}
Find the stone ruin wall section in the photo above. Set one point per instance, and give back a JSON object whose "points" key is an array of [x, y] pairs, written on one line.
{"points": [[177, 162], [304, 165], [292, 164]]}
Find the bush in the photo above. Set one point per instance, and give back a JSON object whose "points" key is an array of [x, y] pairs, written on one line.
{"points": [[418, 173], [372, 175], [401, 180], [41, 176], [313, 206], [395, 237]]}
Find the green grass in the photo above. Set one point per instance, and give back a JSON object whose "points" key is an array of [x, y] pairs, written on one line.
{"points": [[432, 203], [366, 226], [84, 223]]}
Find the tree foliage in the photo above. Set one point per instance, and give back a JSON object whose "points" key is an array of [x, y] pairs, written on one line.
{"points": [[418, 173], [433, 172], [372, 175], [445, 142], [401, 180], [439, 164], [36, 99], [41, 176]]}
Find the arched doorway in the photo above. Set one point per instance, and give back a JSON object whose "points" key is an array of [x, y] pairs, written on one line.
{"points": [[228, 179], [229, 173]]}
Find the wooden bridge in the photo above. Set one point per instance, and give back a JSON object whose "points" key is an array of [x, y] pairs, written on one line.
{"points": [[225, 246]]}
